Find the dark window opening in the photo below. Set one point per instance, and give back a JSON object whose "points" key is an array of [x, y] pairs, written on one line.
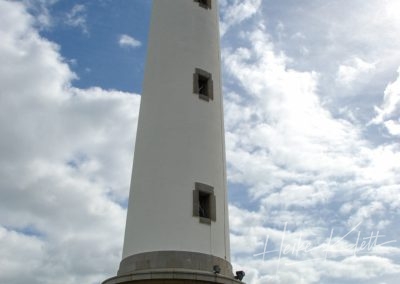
{"points": [[206, 4], [204, 205], [203, 84]]}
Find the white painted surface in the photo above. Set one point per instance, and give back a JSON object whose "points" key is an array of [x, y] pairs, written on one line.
{"points": [[180, 138]]}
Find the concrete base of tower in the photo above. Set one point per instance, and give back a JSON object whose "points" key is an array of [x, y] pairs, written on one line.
{"points": [[173, 267], [171, 277]]}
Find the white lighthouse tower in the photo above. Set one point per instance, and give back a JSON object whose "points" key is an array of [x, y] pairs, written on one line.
{"points": [[177, 227]]}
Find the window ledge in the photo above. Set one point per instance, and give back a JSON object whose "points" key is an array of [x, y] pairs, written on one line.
{"points": [[205, 220]]}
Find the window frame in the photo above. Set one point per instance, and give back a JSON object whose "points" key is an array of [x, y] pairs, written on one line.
{"points": [[201, 191], [201, 75], [206, 4]]}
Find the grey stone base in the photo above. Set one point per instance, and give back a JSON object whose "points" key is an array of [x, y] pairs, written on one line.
{"points": [[171, 277], [169, 267], [186, 260]]}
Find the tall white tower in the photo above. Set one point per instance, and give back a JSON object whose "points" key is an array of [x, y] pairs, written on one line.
{"points": [[177, 227]]}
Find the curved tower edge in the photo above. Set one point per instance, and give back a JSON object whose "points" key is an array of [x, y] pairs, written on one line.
{"points": [[180, 267], [186, 260], [171, 277]]}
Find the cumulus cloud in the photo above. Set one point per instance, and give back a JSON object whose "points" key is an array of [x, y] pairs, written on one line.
{"points": [[282, 113], [388, 113], [236, 11], [128, 41], [300, 163], [349, 72], [76, 17], [66, 161], [393, 127], [302, 169], [40, 8]]}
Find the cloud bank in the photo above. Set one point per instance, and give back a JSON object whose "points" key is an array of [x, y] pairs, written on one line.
{"points": [[311, 126], [128, 41], [66, 161], [307, 173]]}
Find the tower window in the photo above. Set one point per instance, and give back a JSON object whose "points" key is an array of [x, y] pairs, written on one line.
{"points": [[204, 203], [206, 4], [203, 84]]}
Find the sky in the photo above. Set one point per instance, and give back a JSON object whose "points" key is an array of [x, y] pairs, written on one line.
{"points": [[312, 121]]}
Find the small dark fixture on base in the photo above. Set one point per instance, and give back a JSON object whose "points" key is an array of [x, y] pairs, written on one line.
{"points": [[217, 269], [240, 275]]}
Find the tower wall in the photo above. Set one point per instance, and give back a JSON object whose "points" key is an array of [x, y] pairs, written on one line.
{"points": [[179, 145]]}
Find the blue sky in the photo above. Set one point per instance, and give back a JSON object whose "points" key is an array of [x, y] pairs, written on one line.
{"points": [[312, 121], [89, 36]]}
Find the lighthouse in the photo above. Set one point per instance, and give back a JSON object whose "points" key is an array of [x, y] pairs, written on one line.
{"points": [[177, 227]]}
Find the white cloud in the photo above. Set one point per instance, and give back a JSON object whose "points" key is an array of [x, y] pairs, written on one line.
{"points": [[300, 196], [353, 69], [128, 41], [40, 8], [16, 249], [66, 159], [77, 17], [389, 112], [284, 119], [236, 11], [363, 267], [393, 127], [300, 163], [65, 167]]}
